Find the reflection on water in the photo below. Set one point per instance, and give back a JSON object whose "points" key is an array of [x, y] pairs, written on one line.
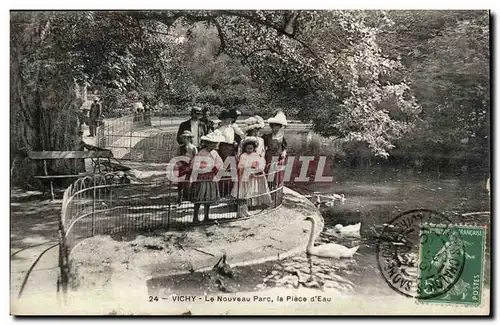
{"points": [[372, 202]]}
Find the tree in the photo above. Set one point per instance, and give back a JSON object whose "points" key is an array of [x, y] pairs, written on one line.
{"points": [[43, 98], [53, 52], [324, 66], [446, 59]]}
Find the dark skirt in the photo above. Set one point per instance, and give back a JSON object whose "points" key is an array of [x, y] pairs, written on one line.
{"points": [[204, 189]]}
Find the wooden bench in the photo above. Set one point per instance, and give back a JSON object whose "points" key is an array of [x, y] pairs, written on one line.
{"points": [[95, 156]]}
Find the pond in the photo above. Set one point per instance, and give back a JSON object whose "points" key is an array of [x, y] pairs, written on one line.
{"points": [[373, 197]]}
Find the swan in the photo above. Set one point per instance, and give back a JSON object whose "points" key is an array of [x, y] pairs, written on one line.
{"points": [[331, 250], [349, 231], [318, 201]]}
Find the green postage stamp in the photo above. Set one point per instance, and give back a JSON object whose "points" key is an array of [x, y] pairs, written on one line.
{"points": [[451, 267]]}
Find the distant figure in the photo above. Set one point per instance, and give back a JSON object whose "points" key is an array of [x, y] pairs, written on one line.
{"points": [[95, 117], [138, 111], [138, 108], [209, 125], [196, 125], [147, 112]]}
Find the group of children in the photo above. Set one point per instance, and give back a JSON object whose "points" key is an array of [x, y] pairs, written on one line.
{"points": [[254, 156]]}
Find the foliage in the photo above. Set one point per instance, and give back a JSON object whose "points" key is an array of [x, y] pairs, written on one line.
{"points": [[323, 66], [415, 79], [446, 56]]}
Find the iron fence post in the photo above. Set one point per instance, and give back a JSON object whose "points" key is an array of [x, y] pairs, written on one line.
{"points": [[238, 197], [169, 185], [131, 133], [93, 207], [277, 188]]}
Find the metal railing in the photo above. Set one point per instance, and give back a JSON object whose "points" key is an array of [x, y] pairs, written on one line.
{"points": [[102, 204], [139, 137], [151, 137]]}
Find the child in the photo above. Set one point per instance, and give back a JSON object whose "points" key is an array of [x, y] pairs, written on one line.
{"points": [[251, 187], [188, 149], [227, 149], [253, 126], [276, 146], [205, 190], [274, 142]]}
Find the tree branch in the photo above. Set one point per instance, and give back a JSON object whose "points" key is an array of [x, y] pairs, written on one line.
{"points": [[222, 46], [246, 56], [281, 30], [288, 29]]}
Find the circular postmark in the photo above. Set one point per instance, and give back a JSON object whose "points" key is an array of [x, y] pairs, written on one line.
{"points": [[420, 254]]}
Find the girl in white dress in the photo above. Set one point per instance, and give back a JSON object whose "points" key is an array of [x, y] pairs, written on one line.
{"points": [[253, 125], [251, 187]]}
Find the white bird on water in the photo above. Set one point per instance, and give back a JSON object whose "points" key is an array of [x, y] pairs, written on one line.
{"points": [[349, 230], [337, 197], [330, 199]]}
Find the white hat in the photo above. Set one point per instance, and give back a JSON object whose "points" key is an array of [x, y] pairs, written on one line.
{"points": [[261, 120], [280, 118], [254, 122], [215, 137]]}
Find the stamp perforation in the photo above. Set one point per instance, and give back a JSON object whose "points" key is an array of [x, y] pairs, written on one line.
{"points": [[466, 304]]}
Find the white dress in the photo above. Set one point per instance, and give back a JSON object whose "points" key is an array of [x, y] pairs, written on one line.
{"points": [[254, 188]]}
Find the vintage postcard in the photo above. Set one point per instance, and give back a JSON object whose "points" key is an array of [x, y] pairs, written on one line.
{"points": [[250, 162]]}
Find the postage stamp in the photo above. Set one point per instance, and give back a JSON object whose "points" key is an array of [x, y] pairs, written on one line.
{"points": [[398, 251], [452, 264]]}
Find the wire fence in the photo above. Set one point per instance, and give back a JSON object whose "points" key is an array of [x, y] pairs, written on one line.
{"points": [[151, 137], [103, 204], [139, 137]]}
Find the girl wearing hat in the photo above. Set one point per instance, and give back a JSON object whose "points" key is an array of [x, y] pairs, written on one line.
{"points": [[205, 190], [251, 187], [275, 143], [226, 148], [253, 125], [188, 149]]}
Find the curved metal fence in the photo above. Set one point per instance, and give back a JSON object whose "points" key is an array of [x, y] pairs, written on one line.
{"points": [[105, 204]]}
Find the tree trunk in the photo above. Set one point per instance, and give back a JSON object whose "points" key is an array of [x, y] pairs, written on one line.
{"points": [[43, 99]]}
